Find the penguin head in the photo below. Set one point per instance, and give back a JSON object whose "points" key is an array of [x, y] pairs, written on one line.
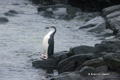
{"points": [[51, 28]]}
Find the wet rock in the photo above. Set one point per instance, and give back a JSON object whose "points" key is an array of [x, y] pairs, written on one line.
{"points": [[79, 50], [113, 15], [110, 45], [111, 9], [85, 71], [42, 8], [114, 24], [71, 11], [101, 54], [118, 35], [3, 20], [96, 24], [15, 4], [89, 16], [59, 11], [65, 12], [48, 14], [112, 61], [11, 13], [73, 62], [94, 63], [59, 56], [61, 1], [103, 69], [99, 28], [49, 64], [106, 34]]}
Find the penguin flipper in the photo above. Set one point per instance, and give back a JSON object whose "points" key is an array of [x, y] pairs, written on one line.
{"points": [[51, 49]]}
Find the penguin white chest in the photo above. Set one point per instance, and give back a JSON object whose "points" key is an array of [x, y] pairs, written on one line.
{"points": [[46, 44]]}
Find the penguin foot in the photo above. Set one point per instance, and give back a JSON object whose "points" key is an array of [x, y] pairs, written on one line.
{"points": [[44, 56]]}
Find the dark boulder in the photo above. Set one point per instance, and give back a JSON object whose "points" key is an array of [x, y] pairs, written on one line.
{"points": [[59, 56], [102, 69], [11, 13], [79, 50], [114, 25], [42, 8], [112, 61], [48, 14], [72, 63], [44, 2], [94, 63], [101, 54], [99, 28], [110, 9], [3, 20], [96, 25], [110, 45], [85, 71], [52, 62], [49, 64], [112, 16], [93, 22]]}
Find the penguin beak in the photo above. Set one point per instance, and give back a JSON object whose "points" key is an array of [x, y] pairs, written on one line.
{"points": [[47, 27]]}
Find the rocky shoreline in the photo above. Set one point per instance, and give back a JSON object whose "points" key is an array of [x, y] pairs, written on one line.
{"points": [[101, 62]]}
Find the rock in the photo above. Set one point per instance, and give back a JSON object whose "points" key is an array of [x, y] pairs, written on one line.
{"points": [[59, 56], [49, 64], [61, 6], [59, 11], [91, 15], [113, 15], [110, 45], [52, 62], [67, 76], [99, 28], [106, 34], [65, 11], [42, 8], [102, 69], [114, 24], [118, 70], [111, 9], [73, 62], [71, 11], [92, 23], [48, 14], [85, 71], [118, 35], [112, 61], [11, 13], [15, 4], [101, 54], [44, 2], [94, 63], [3, 20], [61, 1], [79, 50]]}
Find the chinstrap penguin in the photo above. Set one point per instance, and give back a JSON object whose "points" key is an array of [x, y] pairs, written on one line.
{"points": [[48, 43]]}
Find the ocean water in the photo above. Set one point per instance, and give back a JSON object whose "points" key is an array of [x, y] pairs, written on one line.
{"points": [[21, 39]]}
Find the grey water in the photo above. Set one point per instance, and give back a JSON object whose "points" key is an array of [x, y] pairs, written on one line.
{"points": [[21, 39]]}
